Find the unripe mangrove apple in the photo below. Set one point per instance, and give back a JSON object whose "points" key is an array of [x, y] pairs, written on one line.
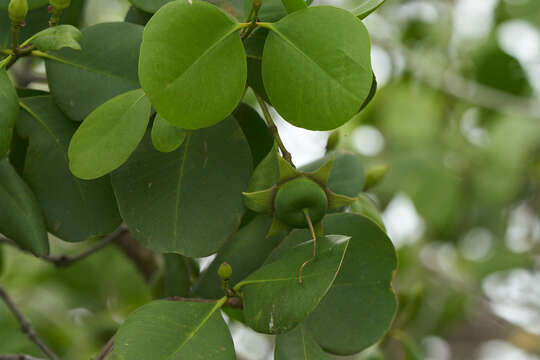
{"points": [[17, 11]]}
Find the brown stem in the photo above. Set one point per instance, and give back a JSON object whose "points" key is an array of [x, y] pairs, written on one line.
{"points": [[144, 260], [106, 350], [273, 129], [312, 230], [26, 326]]}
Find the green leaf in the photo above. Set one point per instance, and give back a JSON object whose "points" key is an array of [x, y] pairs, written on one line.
{"points": [[150, 6], [332, 60], [366, 8], [293, 5], [165, 330], [246, 251], [9, 110], [176, 275], [165, 136], [256, 131], [275, 301], [20, 216], [347, 176], [56, 38], [32, 4], [74, 209], [168, 200], [366, 207], [105, 68], [109, 135], [192, 63], [298, 344], [360, 306]]}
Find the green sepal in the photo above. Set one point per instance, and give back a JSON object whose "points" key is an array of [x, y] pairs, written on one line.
{"points": [[375, 175], [322, 174], [336, 201], [277, 227], [286, 170], [260, 201]]}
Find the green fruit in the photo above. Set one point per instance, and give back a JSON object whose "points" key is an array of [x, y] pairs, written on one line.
{"points": [[17, 11], [298, 195], [225, 271]]}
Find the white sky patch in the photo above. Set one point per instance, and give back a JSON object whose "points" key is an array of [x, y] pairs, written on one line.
{"points": [[473, 19], [502, 350], [476, 244], [368, 140], [436, 348], [403, 224]]}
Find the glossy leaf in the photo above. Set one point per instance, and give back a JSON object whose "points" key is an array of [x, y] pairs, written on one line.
{"points": [[9, 110], [150, 6], [366, 8], [275, 301], [168, 200], [204, 60], [252, 240], [20, 216], [80, 81], [165, 136], [137, 16], [56, 38], [347, 176], [332, 60], [293, 5], [109, 135], [360, 306], [74, 209], [256, 131], [298, 344], [165, 330]]}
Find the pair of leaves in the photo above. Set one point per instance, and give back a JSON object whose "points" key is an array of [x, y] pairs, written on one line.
{"points": [[360, 306], [192, 52], [74, 209]]}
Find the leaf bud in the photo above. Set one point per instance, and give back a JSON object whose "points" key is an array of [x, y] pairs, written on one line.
{"points": [[225, 271]]}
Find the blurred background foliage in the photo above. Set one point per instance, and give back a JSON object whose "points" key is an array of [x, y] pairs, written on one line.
{"points": [[456, 118]]}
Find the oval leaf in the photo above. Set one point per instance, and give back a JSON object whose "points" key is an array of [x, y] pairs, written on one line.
{"points": [[274, 299], [192, 64], [104, 68], [9, 110], [298, 344], [360, 306], [74, 209], [332, 60], [164, 330], [56, 38], [168, 200], [366, 8], [109, 135], [20, 215], [165, 136]]}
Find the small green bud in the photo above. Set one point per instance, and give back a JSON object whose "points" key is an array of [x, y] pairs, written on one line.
{"points": [[60, 4], [375, 175], [333, 141], [17, 11], [225, 271]]}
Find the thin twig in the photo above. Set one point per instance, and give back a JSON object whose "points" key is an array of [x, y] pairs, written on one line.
{"points": [[18, 357], [65, 260], [273, 129], [26, 326], [106, 350], [310, 224]]}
